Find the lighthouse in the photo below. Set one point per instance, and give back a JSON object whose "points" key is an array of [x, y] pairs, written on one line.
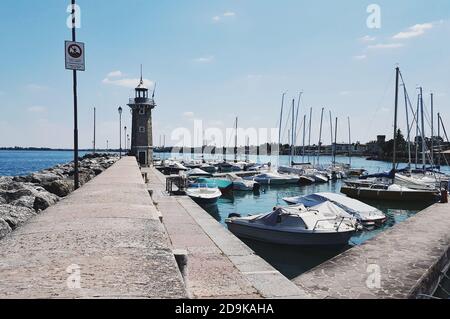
{"points": [[141, 107]]}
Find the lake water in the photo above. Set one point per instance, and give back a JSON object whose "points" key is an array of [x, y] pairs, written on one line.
{"points": [[20, 163]]}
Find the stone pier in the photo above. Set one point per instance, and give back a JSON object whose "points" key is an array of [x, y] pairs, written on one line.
{"points": [[104, 240], [403, 262]]}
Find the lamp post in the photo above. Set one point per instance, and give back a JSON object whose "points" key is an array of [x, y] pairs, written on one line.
{"points": [[125, 138], [120, 130]]}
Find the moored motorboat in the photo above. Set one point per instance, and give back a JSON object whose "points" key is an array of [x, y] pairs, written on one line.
{"points": [[276, 179], [204, 193], [392, 192], [240, 184], [296, 225], [365, 214]]}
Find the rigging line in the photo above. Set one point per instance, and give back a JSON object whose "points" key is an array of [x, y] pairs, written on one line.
{"points": [[428, 155]]}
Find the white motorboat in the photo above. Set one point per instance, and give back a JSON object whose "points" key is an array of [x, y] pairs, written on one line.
{"points": [[204, 193], [276, 179], [240, 184], [365, 214], [296, 225], [197, 172]]}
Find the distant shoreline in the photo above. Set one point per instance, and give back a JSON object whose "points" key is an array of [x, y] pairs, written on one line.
{"points": [[43, 149]]}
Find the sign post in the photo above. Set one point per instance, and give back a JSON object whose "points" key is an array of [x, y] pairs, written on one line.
{"points": [[75, 61]]}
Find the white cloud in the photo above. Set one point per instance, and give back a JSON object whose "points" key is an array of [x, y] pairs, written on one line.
{"points": [[114, 74], [414, 31], [226, 14], [382, 46], [37, 109], [205, 59], [116, 78], [360, 57], [367, 38]]}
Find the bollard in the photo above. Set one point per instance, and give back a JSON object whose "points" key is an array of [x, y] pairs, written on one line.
{"points": [[182, 261], [444, 196]]}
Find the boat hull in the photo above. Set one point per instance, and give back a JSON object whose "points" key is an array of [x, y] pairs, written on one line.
{"points": [[382, 194], [290, 238]]}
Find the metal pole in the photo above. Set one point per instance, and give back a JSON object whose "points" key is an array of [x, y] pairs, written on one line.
{"points": [[423, 131], [236, 142], [432, 129], [95, 114], [281, 124], [76, 177], [349, 142], [335, 141], [394, 155], [304, 137], [125, 138], [439, 140], [309, 138], [293, 133], [407, 123], [120, 133], [320, 137], [416, 141]]}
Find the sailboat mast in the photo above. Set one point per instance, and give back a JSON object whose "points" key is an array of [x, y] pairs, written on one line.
{"points": [[416, 141], [331, 131], [407, 123], [423, 131], [236, 142], [349, 142], [320, 137], [394, 155], [304, 137], [335, 141], [293, 133], [432, 129], [281, 123], [439, 140], [309, 138], [296, 116]]}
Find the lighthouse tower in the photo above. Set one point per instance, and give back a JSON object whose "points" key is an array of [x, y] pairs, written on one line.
{"points": [[141, 134]]}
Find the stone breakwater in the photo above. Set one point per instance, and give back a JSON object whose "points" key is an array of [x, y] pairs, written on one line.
{"points": [[23, 197]]}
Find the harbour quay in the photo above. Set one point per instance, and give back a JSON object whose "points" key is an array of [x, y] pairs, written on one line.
{"points": [[122, 235]]}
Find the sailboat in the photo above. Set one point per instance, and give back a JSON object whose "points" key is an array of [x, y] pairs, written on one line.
{"points": [[391, 190]]}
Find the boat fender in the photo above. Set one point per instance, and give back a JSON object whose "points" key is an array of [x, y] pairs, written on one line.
{"points": [[234, 215]]}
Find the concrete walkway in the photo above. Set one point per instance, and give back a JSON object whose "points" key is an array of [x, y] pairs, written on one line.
{"points": [[219, 264], [103, 241], [402, 262]]}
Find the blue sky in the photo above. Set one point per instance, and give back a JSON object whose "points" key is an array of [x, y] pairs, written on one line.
{"points": [[214, 60]]}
